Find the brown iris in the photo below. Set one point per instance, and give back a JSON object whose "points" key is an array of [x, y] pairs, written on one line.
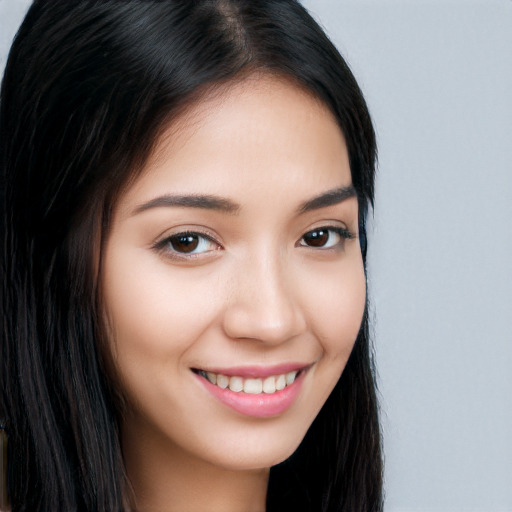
{"points": [[184, 243], [317, 238]]}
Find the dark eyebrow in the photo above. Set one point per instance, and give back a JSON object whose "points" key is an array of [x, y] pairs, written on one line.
{"points": [[206, 202], [329, 198]]}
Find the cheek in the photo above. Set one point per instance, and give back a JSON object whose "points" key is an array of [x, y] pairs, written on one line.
{"points": [[336, 307], [153, 315]]}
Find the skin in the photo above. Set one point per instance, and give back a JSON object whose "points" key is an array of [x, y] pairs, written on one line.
{"points": [[256, 292]]}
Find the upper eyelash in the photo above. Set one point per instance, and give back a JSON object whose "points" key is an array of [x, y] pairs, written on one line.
{"points": [[162, 244], [343, 232]]}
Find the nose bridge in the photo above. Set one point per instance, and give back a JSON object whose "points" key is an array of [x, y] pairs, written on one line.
{"points": [[264, 304]]}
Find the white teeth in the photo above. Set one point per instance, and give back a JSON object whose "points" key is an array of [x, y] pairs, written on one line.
{"points": [[253, 386], [269, 385], [290, 377], [236, 384], [280, 382], [222, 381]]}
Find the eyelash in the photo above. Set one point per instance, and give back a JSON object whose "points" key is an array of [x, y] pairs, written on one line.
{"points": [[343, 233], [166, 245]]}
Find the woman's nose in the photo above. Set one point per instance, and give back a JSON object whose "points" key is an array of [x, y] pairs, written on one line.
{"points": [[264, 303]]}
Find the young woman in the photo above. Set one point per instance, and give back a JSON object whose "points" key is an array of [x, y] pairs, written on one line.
{"points": [[184, 193]]}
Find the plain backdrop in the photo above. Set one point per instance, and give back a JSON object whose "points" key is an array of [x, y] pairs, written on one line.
{"points": [[437, 76]]}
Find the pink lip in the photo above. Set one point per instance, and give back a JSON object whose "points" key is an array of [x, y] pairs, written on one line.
{"points": [[257, 372], [261, 405]]}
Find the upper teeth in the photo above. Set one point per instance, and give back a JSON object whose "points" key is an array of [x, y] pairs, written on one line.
{"points": [[250, 385]]}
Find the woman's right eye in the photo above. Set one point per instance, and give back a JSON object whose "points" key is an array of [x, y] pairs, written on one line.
{"points": [[187, 244]]}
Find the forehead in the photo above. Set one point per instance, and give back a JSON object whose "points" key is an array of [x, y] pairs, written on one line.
{"points": [[262, 137]]}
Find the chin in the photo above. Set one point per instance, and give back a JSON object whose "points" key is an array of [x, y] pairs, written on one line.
{"points": [[255, 451]]}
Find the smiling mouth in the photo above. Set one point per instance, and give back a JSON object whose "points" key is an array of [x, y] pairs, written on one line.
{"points": [[253, 386]]}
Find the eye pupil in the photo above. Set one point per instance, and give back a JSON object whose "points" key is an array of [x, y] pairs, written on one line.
{"points": [[317, 238], [185, 243]]}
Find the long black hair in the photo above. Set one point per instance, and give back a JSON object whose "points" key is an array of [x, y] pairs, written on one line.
{"points": [[88, 88]]}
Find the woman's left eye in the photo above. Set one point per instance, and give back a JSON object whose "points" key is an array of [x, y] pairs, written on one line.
{"points": [[325, 237], [188, 243]]}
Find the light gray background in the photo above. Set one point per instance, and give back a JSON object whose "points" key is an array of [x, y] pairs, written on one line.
{"points": [[438, 80]]}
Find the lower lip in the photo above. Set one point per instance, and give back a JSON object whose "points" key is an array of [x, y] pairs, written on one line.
{"points": [[261, 405]]}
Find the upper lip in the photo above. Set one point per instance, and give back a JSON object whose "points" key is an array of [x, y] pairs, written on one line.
{"points": [[256, 371]]}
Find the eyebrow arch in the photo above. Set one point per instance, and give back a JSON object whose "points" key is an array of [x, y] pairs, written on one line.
{"points": [[221, 204], [206, 202], [329, 198]]}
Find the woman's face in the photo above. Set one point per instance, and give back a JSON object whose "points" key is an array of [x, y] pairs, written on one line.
{"points": [[232, 277]]}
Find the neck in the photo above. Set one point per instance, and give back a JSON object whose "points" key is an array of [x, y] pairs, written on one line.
{"points": [[166, 478]]}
